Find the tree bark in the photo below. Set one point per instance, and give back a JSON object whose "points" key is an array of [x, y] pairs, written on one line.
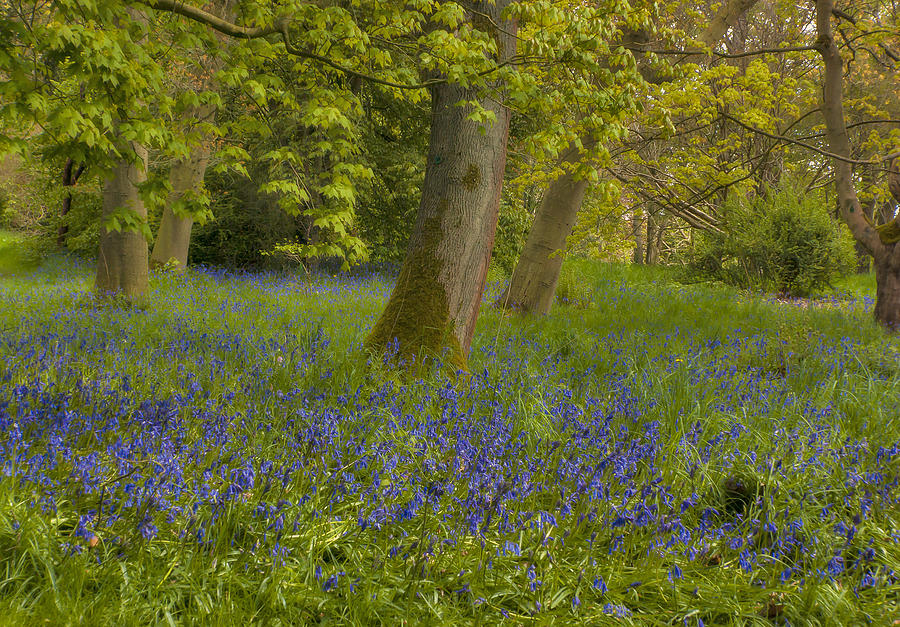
{"points": [[887, 291], [186, 176], [637, 230], [122, 266], [435, 303], [652, 255], [534, 279], [725, 19]]}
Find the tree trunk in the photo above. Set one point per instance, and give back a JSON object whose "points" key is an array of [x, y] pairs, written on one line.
{"points": [[534, 279], [863, 257], [652, 255], [887, 299], [435, 303], [637, 230], [70, 178], [185, 176], [122, 265], [662, 221]]}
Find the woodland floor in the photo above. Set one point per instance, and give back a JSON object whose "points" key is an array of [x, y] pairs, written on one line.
{"points": [[650, 454]]}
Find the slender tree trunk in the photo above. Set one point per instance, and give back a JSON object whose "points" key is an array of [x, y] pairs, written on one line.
{"points": [[435, 303], [652, 256], [533, 282], [70, 178], [534, 279], [637, 230], [122, 265], [186, 177]]}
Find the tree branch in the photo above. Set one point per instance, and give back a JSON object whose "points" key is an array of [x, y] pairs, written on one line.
{"points": [[281, 27], [216, 23], [797, 142], [723, 55]]}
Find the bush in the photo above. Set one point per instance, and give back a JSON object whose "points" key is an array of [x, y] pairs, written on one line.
{"points": [[29, 194], [784, 240]]}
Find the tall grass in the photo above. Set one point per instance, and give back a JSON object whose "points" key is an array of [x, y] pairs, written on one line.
{"points": [[654, 454]]}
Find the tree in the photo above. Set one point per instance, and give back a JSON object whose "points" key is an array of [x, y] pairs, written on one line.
{"points": [[186, 200], [533, 281], [122, 262], [436, 301], [82, 82], [881, 242], [186, 176], [437, 297]]}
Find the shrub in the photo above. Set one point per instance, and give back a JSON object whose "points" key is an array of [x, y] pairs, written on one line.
{"points": [[784, 240], [245, 225]]}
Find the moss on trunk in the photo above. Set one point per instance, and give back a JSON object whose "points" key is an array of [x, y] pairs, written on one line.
{"points": [[417, 316]]}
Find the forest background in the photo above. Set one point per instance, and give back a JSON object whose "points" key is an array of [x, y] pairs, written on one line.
{"points": [[662, 132]]}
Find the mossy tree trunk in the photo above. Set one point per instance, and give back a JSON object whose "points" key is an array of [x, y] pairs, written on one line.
{"points": [[534, 279], [656, 230], [186, 177], [435, 303], [122, 266]]}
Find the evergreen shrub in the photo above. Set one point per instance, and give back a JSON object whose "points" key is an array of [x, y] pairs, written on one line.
{"points": [[784, 240]]}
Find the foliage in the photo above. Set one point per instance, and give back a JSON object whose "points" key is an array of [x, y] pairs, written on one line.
{"points": [[30, 193], [84, 82], [394, 141], [246, 225], [512, 231], [601, 230], [786, 240], [232, 441]]}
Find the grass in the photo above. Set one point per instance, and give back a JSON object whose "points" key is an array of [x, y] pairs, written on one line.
{"points": [[17, 254], [652, 454]]}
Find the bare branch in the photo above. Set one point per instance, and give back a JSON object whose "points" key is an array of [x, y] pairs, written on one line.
{"points": [[723, 55], [216, 23], [797, 142]]}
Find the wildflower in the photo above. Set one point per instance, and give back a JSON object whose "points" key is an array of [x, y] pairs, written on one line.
{"points": [[619, 611], [675, 573], [147, 529], [836, 566]]}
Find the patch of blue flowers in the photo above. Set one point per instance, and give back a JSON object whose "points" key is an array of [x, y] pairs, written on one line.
{"points": [[569, 471]]}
